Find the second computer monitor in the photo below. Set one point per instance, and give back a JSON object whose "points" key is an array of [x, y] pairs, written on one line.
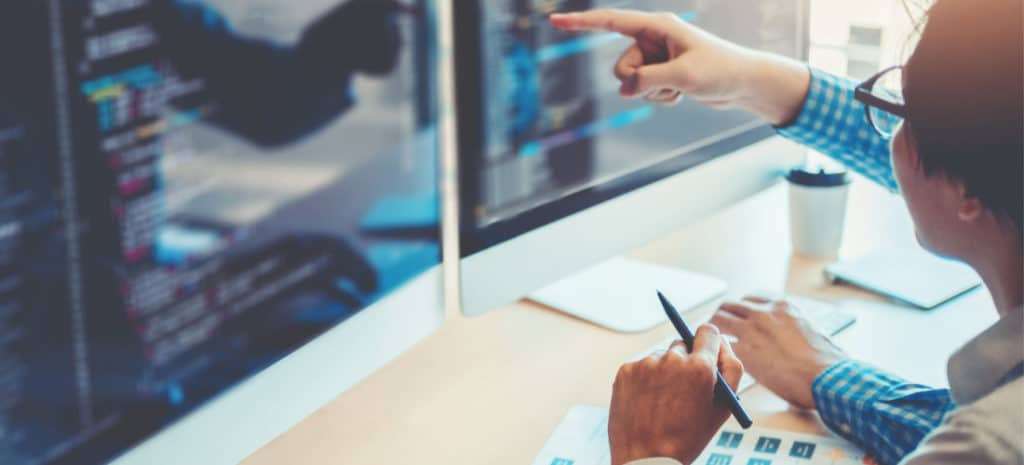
{"points": [[215, 216], [558, 172]]}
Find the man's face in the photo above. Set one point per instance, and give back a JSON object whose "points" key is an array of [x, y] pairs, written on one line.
{"points": [[934, 201]]}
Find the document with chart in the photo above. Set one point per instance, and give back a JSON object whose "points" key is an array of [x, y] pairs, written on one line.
{"points": [[582, 439]]}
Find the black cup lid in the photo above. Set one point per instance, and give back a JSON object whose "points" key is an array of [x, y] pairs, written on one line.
{"points": [[818, 176]]}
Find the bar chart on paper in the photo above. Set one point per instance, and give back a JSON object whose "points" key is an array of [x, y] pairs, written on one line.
{"points": [[582, 439], [774, 447]]}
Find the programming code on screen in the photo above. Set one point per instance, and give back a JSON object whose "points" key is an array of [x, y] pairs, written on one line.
{"points": [[184, 194], [553, 121]]}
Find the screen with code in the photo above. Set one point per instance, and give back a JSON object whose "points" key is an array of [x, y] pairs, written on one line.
{"points": [[550, 122], [189, 191]]}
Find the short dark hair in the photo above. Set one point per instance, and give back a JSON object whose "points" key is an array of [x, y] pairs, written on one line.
{"points": [[965, 99]]}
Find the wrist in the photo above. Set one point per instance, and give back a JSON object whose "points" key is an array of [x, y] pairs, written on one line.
{"points": [[814, 371], [774, 87]]}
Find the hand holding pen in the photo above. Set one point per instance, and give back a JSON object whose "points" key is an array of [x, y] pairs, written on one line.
{"points": [[666, 405], [723, 392]]}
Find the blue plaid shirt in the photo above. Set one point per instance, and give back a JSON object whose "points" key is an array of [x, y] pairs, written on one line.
{"points": [[833, 123], [885, 415]]}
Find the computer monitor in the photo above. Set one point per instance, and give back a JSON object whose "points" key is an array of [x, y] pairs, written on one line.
{"points": [[557, 172], [215, 216]]}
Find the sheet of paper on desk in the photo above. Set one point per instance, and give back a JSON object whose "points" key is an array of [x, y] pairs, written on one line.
{"points": [[758, 446], [582, 439]]}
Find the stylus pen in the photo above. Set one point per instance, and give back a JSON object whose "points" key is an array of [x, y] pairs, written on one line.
{"points": [[722, 389]]}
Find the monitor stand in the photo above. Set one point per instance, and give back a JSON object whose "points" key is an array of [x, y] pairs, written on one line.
{"points": [[620, 294]]}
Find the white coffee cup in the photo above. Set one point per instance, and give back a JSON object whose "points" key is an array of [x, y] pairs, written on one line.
{"points": [[817, 210]]}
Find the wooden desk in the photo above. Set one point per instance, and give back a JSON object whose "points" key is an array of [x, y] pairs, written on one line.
{"points": [[490, 390]]}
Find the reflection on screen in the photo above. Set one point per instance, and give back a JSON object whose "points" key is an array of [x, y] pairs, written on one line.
{"points": [[189, 191], [554, 123]]}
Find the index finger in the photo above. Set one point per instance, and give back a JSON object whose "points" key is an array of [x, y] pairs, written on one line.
{"points": [[707, 343], [730, 365], [630, 23]]}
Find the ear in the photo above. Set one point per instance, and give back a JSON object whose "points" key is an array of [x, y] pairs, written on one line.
{"points": [[969, 207]]}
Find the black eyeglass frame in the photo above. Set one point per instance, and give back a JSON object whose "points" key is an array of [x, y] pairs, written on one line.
{"points": [[862, 93]]}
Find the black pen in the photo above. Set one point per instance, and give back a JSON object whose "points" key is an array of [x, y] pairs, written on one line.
{"points": [[722, 389]]}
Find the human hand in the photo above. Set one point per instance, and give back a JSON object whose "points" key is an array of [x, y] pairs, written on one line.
{"points": [[778, 346], [672, 58], [665, 405]]}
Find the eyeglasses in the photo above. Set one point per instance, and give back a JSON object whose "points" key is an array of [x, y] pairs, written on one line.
{"points": [[882, 96]]}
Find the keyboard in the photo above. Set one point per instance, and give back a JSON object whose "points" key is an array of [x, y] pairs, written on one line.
{"points": [[827, 318]]}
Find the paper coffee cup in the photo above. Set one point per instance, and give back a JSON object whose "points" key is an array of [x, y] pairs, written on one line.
{"points": [[817, 210]]}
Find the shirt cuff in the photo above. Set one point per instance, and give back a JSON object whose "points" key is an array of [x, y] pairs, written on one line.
{"points": [[882, 413], [839, 389], [822, 90], [655, 461], [847, 391]]}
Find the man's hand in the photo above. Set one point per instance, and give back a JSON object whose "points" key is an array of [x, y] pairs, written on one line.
{"points": [[778, 346], [671, 58], [665, 406]]}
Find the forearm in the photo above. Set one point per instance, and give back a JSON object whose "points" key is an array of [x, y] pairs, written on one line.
{"points": [[832, 122], [773, 87], [811, 107], [885, 415]]}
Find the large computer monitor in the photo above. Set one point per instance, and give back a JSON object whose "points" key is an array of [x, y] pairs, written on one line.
{"points": [[557, 172], [215, 216]]}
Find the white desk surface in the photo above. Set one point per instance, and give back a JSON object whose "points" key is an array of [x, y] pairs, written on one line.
{"points": [[491, 389]]}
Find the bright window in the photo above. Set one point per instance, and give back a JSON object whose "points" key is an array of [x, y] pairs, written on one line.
{"points": [[857, 38]]}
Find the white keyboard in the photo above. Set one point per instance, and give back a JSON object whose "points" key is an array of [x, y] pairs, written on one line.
{"points": [[828, 318], [825, 317]]}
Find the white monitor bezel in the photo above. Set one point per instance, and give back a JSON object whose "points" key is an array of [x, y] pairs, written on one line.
{"points": [[508, 271]]}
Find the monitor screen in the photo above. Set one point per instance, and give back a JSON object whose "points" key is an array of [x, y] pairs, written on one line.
{"points": [[543, 130], [189, 191]]}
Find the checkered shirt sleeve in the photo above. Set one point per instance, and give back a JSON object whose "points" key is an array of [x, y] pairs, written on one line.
{"points": [[885, 415], [835, 124]]}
